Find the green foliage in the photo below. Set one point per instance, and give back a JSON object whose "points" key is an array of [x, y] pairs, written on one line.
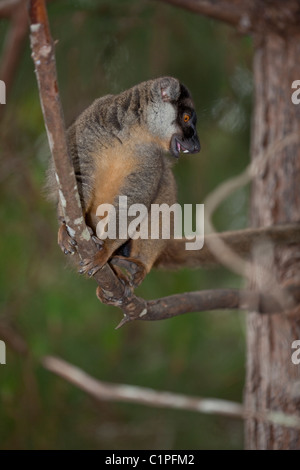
{"points": [[105, 47]]}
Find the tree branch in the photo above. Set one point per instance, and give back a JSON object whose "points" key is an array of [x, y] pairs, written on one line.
{"points": [[216, 299], [112, 290], [14, 41], [241, 242], [248, 17], [7, 7], [229, 247], [233, 12], [149, 397], [228, 255]]}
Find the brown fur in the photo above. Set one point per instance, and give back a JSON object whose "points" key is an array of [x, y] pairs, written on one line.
{"points": [[118, 147]]}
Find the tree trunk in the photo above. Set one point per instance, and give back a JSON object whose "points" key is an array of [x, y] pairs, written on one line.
{"points": [[273, 381]]}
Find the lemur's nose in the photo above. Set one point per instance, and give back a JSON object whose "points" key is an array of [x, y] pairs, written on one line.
{"points": [[197, 145]]}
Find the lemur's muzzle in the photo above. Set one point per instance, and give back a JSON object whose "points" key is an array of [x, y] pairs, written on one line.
{"points": [[179, 144]]}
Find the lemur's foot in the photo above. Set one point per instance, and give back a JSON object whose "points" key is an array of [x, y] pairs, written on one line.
{"points": [[65, 241], [92, 266], [106, 297], [99, 243], [135, 268]]}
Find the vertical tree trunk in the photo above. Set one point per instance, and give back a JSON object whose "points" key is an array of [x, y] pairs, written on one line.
{"points": [[273, 381]]}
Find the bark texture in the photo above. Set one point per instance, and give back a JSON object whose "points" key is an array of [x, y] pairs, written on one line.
{"points": [[273, 381]]}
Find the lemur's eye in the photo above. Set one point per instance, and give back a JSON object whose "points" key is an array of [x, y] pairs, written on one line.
{"points": [[186, 117]]}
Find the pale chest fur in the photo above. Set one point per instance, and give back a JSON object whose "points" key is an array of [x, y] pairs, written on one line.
{"points": [[114, 166]]}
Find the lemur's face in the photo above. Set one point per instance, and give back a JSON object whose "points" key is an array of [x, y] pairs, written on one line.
{"points": [[171, 116], [186, 140]]}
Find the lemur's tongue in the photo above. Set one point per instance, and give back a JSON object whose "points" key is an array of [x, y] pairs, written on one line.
{"points": [[180, 148]]}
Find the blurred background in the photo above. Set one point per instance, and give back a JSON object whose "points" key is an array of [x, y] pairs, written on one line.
{"points": [[46, 308]]}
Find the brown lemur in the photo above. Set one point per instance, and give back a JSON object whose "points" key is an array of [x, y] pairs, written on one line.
{"points": [[119, 147]]}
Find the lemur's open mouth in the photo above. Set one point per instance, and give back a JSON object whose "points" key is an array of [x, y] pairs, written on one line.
{"points": [[181, 148], [185, 146]]}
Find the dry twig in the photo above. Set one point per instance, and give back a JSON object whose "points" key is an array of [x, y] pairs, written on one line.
{"points": [[149, 397], [226, 254]]}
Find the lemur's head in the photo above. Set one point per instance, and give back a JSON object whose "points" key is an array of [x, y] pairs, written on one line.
{"points": [[172, 117]]}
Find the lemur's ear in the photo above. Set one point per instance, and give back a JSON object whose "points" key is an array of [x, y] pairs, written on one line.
{"points": [[169, 88]]}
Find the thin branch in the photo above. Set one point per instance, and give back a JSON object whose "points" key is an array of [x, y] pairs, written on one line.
{"points": [[216, 299], [7, 7], [216, 243], [234, 12], [286, 233], [112, 290], [149, 397], [241, 242], [247, 17], [14, 41]]}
